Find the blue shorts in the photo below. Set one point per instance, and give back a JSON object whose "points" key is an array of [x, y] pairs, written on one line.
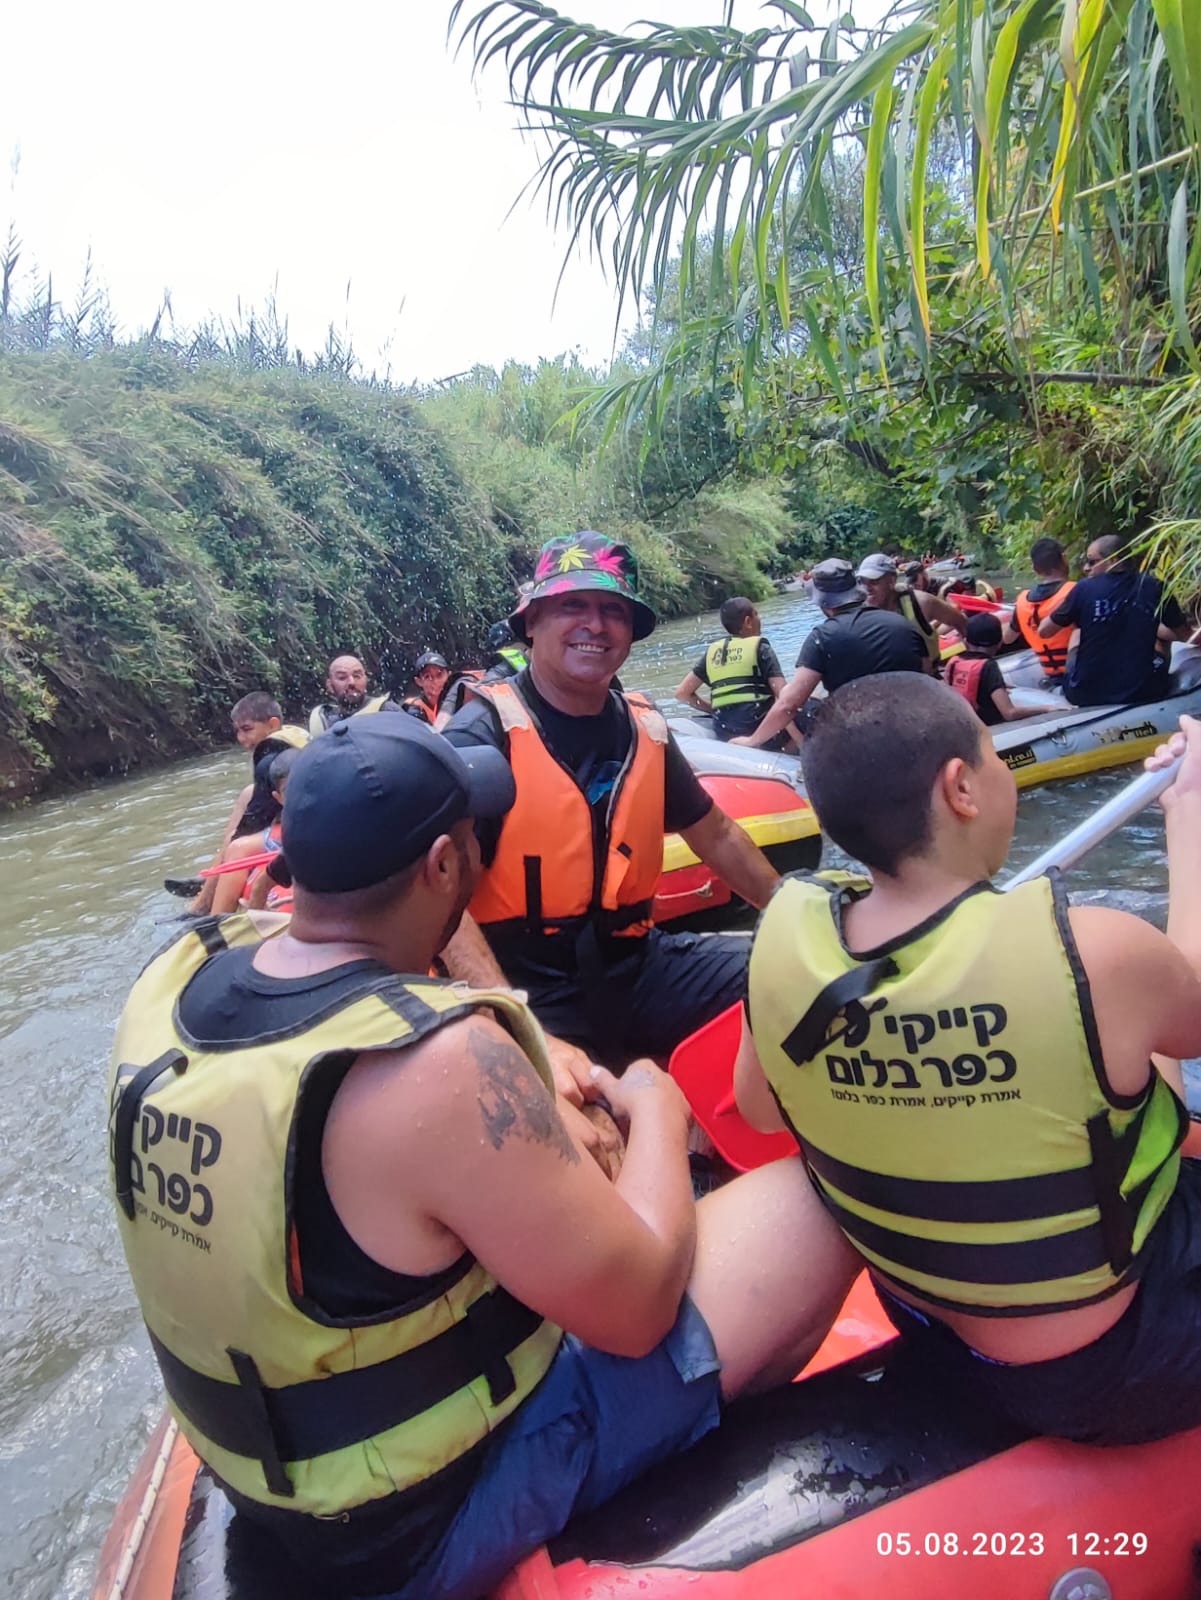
{"points": [[594, 1423]]}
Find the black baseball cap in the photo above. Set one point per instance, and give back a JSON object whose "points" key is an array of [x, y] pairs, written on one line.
{"points": [[369, 797]]}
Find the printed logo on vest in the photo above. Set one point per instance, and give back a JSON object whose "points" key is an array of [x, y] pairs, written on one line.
{"points": [[905, 1081], [167, 1189]]}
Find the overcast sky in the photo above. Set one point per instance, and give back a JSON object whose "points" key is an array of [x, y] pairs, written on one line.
{"points": [[219, 150]]}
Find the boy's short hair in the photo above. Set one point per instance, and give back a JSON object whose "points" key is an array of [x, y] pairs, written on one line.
{"points": [[257, 706], [871, 754], [982, 630], [734, 612]]}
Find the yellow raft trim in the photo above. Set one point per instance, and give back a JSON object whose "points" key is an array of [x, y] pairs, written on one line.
{"points": [[772, 827], [1121, 753]]}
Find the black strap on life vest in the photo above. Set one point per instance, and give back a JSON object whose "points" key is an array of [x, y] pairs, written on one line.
{"points": [[810, 1033], [302, 1421], [129, 1103], [599, 919]]}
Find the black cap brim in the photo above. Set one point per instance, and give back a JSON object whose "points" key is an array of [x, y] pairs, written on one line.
{"points": [[492, 786]]}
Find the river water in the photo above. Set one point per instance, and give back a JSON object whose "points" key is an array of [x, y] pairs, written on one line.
{"points": [[80, 883]]}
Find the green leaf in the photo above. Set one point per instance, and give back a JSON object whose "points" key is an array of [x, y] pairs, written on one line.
{"points": [[1178, 273], [872, 178]]}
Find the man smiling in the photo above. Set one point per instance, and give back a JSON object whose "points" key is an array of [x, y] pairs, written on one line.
{"points": [[565, 896]]}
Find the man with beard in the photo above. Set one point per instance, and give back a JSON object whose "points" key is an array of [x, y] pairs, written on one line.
{"points": [[408, 1328], [346, 685]]}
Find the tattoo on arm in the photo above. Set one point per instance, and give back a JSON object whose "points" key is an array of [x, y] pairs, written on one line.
{"points": [[513, 1100]]}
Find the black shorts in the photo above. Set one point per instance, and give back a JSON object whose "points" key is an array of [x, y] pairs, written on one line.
{"points": [[644, 1004], [1140, 1380]]}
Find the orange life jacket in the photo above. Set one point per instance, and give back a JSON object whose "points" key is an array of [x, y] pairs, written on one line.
{"points": [[557, 866], [1027, 613], [421, 705], [962, 673]]}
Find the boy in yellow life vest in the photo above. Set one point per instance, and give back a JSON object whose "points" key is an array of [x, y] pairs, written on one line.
{"points": [[741, 672], [969, 1075]]}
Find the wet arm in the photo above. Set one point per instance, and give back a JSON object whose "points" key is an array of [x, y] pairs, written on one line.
{"points": [[687, 692], [936, 610], [607, 1261], [751, 1089], [793, 696], [721, 844], [469, 958], [1010, 712]]}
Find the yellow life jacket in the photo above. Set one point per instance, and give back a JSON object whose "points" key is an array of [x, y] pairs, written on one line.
{"points": [[912, 612], [951, 1102], [289, 1406], [320, 722], [733, 671], [288, 734]]}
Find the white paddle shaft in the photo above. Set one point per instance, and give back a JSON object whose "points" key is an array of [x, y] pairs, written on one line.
{"points": [[1107, 819]]}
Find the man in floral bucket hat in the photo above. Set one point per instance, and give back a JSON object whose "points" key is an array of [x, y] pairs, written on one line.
{"points": [[566, 893]]}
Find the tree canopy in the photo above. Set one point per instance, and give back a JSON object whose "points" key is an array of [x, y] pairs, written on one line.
{"points": [[1020, 294]]}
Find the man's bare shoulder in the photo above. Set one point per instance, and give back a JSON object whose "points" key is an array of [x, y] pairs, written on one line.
{"points": [[469, 1078], [1110, 940]]}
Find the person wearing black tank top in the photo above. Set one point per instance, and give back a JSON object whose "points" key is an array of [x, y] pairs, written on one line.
{"points": [[419, 1172]]}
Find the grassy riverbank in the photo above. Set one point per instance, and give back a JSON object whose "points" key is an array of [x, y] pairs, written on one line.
{"points": [[171, 537], [176, 530]]}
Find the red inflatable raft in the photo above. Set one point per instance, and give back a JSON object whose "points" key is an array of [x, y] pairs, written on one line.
{"points": [[771, 812], [860, 1480]]}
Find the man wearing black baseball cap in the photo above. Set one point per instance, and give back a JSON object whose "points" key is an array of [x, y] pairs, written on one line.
{"points": [[855, 641], [385, 1293]]}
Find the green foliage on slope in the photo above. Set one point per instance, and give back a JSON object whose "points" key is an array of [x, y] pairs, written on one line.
{"points": [[171, 537]]}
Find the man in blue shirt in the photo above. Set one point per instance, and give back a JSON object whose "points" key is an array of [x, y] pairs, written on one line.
{"points": [[1123, 616]]}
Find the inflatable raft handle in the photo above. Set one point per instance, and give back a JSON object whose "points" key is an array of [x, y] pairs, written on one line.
{"points": [[1107, 819]]}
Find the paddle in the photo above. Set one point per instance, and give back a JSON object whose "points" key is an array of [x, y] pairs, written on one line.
{"points": [[1114, 814], [703, 1064], [246, 864]]}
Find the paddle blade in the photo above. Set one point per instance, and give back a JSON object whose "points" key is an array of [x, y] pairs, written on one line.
{"points": [[703, 1066]]}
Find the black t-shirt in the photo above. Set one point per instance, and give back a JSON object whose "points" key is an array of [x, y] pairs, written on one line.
{"points": [[1118, 614], [862, 642], [593, 750]]}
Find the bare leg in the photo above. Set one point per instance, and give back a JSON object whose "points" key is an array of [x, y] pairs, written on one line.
{"points": [[772, 1269]]}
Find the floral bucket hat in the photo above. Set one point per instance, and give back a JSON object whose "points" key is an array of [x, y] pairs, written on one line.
{"points": [[585, 560]]}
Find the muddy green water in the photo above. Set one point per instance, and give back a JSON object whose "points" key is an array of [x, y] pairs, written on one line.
{"points": [[80, 887]]}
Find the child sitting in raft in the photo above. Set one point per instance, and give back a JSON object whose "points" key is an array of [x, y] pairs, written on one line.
{"points": [[977, 677], [255, 888]]}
